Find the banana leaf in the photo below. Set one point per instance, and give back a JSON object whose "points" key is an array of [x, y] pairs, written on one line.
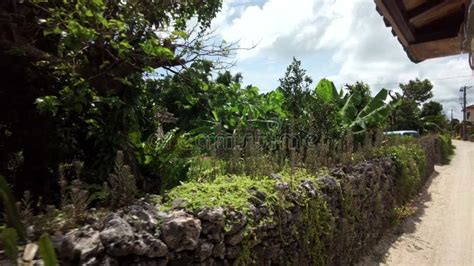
{"points": [[47, 251], [12, 215], [327, 91]]}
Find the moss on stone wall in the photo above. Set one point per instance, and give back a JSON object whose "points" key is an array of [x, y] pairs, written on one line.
{"points": [[232, 191]]}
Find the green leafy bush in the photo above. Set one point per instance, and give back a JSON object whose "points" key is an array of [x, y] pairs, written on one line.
{"points": [[446, 148], [82, 82], [370, 116], [235, 191], [165, 160], [410, 163]]}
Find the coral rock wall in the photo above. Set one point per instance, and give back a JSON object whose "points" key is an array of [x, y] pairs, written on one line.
{"points": [[331, 220]]}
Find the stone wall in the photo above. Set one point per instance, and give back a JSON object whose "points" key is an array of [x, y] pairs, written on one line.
{"points": [[431, 146], [333, 220]]}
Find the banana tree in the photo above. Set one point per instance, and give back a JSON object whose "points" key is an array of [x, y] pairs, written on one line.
{"points": [[372, 115]]}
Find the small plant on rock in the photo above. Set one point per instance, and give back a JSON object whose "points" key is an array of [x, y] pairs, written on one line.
{"points": [[79, 198], [74, 197], [25, 207], [122, 182]]}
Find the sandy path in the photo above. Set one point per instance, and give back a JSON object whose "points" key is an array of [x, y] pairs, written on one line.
{"points": [[442, 230]]}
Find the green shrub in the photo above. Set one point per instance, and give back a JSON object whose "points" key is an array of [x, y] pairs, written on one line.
{"points": [[165, 161], [446, 148], [410, 161]]}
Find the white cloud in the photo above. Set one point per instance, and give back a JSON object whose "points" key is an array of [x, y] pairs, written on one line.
{"points": [[349, 35], [262, 25], [370, 53]]}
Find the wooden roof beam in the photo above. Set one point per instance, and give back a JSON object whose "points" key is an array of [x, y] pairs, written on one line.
{"points": [[412, 4], [439, 11], [395, 16], [439, 48]]}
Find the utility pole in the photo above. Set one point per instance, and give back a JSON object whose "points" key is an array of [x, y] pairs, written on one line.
{"points": [[452, 125], [464, 103]]}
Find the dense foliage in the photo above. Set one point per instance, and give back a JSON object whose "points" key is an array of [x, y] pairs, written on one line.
{"points": [[447, 148], [359, 112], [76, 87], [106, 93], [410, 163], [106, 100], [414, 112]]}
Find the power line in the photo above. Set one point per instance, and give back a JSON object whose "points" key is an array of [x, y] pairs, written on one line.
{"points": [[437, 79], [451, 84]]}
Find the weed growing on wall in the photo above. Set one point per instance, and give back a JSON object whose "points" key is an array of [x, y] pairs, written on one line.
{"points": [[224, 191], [410, 163], [319, 223]]}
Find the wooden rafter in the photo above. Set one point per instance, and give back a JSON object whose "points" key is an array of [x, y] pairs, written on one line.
{"points": [[395, 17], [412, 4], [426, 28], [439, 48], [441, 10]]}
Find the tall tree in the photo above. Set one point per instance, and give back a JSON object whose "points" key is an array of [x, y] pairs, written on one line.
{"points": [[417, 90], [76, 74], [226, 78], [433, 117], [295, 87], [432, 108], [407, 116]]}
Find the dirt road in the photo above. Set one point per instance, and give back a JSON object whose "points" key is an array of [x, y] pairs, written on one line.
{"points": [[442, 230]]}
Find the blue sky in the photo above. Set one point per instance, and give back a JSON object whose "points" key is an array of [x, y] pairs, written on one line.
{"points": [[342, 40]]}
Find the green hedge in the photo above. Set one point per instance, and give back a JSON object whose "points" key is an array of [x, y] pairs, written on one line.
{"points": [[446, 148], [410, 161]]}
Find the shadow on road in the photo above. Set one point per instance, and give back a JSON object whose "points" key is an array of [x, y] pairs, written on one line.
{"points": [[407, 225]]}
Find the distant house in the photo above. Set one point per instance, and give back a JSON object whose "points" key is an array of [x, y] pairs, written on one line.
{"points": [[470, 113]]}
